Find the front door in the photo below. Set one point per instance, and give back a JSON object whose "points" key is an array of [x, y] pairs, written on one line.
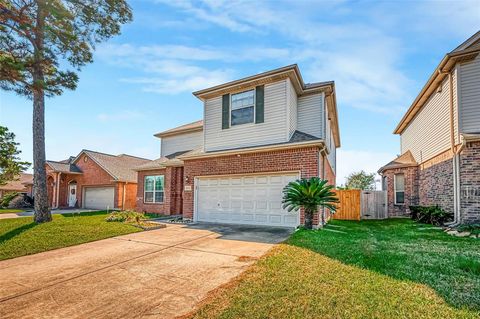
{"points": [[72, 195]]}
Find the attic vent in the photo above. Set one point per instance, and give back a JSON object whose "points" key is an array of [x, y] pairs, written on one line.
{"points": [[85, 159]]}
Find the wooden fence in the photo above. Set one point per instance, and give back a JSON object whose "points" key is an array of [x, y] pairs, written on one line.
{"points": [[355, 204], [349, 204]]}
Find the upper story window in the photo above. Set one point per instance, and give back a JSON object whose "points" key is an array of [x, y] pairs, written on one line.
{"points": [[399, 188], [242, 107]]}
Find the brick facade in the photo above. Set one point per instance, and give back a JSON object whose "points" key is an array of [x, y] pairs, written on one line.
{"points": [[305, 160], [436, 182], [411, 190], [431, 184], [92, 176], [172, 204], [470, 183]]}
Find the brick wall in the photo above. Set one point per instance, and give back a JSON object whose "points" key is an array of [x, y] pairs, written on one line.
{"points": [[411, 190], [470, 183], [436, 182], [305, 160], [173, 179]]}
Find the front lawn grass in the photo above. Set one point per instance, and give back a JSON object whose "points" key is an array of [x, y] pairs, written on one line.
{"points": [[21, 236], [368, 269]]}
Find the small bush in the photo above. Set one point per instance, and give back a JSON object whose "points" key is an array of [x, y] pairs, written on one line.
{"points": [[127, 216], [430, 215]]}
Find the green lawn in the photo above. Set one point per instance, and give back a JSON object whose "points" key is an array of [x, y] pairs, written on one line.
{"points": [[10, 210], [21, 236], [369, 269]]}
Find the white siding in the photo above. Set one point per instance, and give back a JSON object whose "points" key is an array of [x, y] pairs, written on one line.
{"points": [[181, 142], [292, 108], [470, 96], [429, 132], [311, 115], [273, 130]]}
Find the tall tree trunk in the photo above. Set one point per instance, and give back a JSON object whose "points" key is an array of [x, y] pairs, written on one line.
{"points": [[42, 211]]}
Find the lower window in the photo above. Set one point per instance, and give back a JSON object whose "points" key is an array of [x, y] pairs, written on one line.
{"points": [[399, 188], [153, 189]]}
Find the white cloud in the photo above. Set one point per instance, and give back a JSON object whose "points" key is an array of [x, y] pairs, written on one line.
{"points": [[349, 161]]}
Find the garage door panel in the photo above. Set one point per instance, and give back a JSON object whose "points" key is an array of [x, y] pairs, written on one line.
{"points": [[255, 199], [99, 198]]}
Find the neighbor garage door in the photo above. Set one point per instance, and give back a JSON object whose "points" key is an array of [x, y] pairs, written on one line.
{"points": [[252, 199], [99, 198]]}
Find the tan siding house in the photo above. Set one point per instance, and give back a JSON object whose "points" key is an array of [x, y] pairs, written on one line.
{"points": [[440, 141]]}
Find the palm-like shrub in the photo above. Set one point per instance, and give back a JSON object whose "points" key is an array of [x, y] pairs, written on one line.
{"points": [[309, 194]]}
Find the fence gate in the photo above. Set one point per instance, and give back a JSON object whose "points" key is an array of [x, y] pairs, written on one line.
{"points": [[349, 204], [374, 205]]}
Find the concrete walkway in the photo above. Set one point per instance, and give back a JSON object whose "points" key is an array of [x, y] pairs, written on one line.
{"points": [[156, 274]]}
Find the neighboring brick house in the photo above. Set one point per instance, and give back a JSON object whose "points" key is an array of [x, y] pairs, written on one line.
{"points": [[440, 141], [257, 134], [22, 184], [93, 180]]}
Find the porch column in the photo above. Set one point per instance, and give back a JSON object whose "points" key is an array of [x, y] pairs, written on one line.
{"points": [[57, 191]]}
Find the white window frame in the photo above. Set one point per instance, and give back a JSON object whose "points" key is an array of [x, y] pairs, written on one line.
{"points": [[395, 191], [154, 191], [254, 106]]}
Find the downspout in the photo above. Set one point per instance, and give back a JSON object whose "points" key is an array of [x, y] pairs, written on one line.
{"points": [[322, 221], [455, 158]]}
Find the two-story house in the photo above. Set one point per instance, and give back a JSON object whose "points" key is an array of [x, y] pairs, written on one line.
{"points": [[440, 141], [257, 134]]}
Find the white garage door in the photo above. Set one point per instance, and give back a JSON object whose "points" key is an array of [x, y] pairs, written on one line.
{"points": [[99, 198], [252, 199]]}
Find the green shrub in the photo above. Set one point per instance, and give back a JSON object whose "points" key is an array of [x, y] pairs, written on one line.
{"points": [[7, 198], [430, 215], [128, 216]]}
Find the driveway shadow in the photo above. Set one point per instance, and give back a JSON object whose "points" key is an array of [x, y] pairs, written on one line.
{"points": [[257, 234]]}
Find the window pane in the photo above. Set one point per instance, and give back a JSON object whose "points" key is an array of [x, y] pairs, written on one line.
{"points": [[159, 183], [149, 181], [400, 197], [244, 99], [158, 197], [148, 197], [399, 182], [242, 116]]}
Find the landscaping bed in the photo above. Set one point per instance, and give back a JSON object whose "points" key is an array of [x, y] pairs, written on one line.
{"points": [[369, 269]]}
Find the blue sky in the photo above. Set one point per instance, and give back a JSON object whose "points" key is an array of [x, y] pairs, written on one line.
{"points": [[379, 54]]}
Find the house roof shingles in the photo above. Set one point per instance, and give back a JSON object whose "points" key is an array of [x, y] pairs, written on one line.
{"points": [[19, 184], [121, 167], [404, 160]]}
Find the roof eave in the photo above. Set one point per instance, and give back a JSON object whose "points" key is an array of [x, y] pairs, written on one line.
{"points": [[318, 143], [189, 130], [436, 78]]}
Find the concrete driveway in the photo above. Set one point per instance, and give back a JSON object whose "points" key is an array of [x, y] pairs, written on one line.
{"points": [[162, 273]]}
